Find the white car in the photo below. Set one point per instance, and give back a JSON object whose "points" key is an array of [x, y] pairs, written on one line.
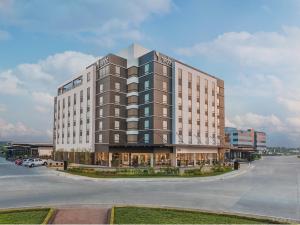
{"points": [[35, 162]]}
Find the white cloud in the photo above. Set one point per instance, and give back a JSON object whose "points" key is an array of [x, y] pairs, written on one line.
{"points": [[34, 72], [87, 20], [261, 122], [10, 84], [18, 130], [43, 98], [46, 74], [293, 105], [261, 49]]}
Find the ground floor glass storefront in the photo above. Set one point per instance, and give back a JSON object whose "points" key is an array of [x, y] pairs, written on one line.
{"points": [[196, 159], [132, 159], [75, 157]]}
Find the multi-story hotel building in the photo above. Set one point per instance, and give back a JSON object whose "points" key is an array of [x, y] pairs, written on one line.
{"points": [[140, 107]]}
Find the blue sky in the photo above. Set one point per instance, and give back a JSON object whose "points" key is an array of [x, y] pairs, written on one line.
{"points": [[253, 45]]}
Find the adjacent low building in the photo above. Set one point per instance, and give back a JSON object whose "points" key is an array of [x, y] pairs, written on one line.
{"points": [[28, 150], [243, 143], [140, 108]]}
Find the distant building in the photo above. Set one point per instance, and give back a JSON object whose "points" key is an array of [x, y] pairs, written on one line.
{"points": [[242, 143], [28, 150], [260, 141]]}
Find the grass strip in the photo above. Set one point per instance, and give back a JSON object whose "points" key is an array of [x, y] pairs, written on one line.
{"points": [[23, 216], [143, 215]]}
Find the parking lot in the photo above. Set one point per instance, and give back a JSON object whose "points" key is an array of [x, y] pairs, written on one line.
{"points": [[271, 188]]}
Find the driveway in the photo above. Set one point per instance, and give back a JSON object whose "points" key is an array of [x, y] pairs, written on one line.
{"points": [[271, 188]]}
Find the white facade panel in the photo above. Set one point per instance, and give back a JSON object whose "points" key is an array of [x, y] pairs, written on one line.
{"points": [[77, 143], [212, 131]]}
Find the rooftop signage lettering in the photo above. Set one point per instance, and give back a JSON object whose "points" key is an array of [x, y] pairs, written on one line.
{"points": [[164, 59], [103, 61]]}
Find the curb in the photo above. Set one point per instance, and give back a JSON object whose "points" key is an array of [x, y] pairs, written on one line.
{"points": [[49, 216], [166, 179], [25, 209], [112, 215]]}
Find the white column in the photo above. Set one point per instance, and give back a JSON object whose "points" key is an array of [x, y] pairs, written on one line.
{"points": [[109, 159], [151, 159], [173, 159], [194, 158]]}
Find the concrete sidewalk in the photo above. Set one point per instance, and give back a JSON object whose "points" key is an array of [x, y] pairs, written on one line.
{"points": [[88, 215]]}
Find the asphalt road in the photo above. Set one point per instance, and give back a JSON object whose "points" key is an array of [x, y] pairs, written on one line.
{"points": [[271, 188]]}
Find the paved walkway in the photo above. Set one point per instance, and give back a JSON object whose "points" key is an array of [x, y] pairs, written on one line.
{"points": [[81, 216]]}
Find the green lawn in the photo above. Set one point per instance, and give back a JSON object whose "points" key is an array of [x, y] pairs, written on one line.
{"points": [[137, 215], [28, 216]]}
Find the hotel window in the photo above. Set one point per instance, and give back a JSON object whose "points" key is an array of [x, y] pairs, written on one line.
{"points": [[64, 103], [179, 74], [146, 98], [165, 112], [69, 101], [88, 94], [146, 84], [117, 99], [180, 113], [107, 70], [117, 70], [117, 125], [165, 70], [146, 138], [101, 112], [74, 99], [146, 111], [165, 87], [117, 86], [100, 138], [101, 100], [88, 77], [165, 125], [165, 99], [117, 112], [147, 68], [81, 96], [165, 138], [117, 138], [146, 124], [101, 88], [100, 125], [179, 101]]}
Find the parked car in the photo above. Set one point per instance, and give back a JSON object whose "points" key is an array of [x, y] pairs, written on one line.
{"points": [[19, 162], [24, 161], [35, 162]]}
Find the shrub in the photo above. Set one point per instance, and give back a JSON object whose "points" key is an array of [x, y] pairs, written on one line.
{"points": [[193, 172], [168, 171]]}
